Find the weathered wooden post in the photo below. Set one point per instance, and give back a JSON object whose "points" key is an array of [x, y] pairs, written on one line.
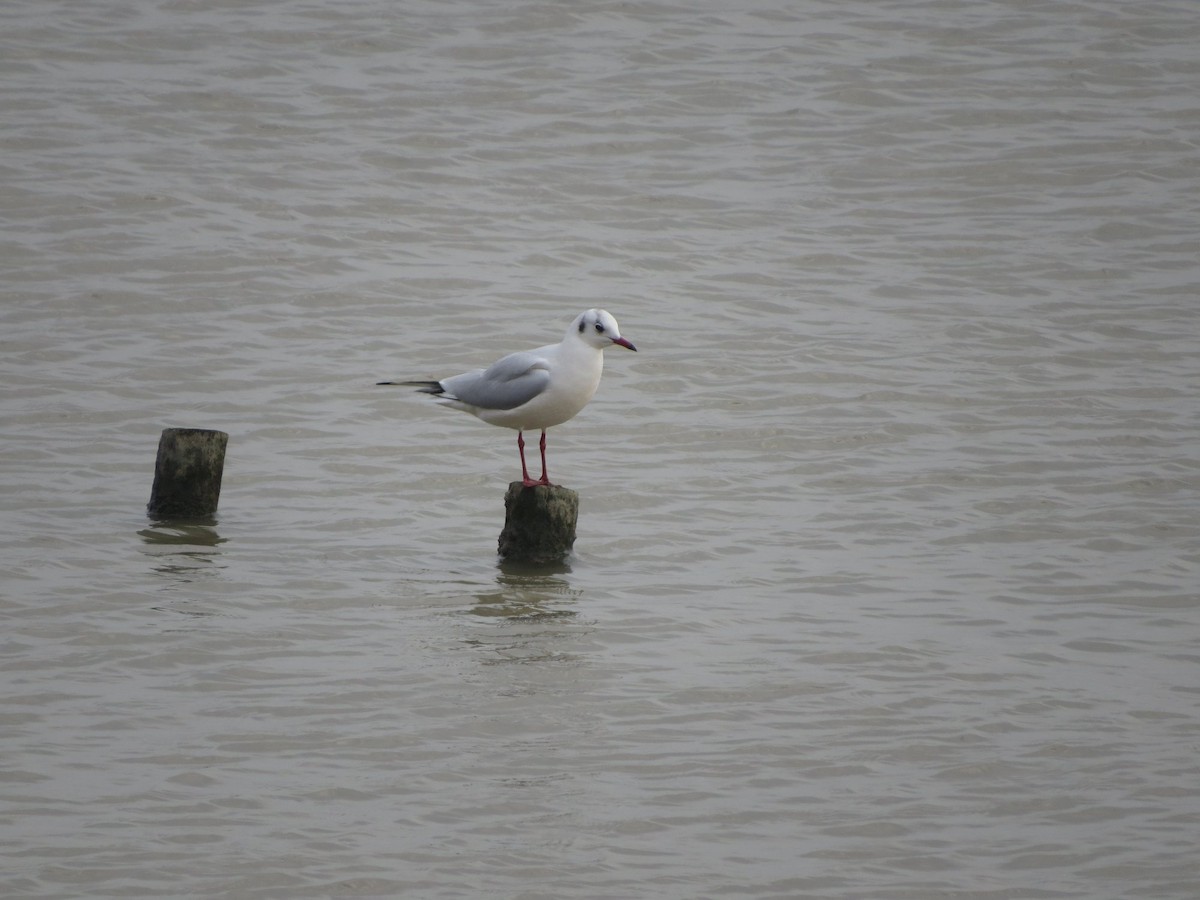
{"points": [[187, 474], [539, 523]]}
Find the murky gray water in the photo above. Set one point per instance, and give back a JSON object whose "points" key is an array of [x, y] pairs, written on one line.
{"points": [[888, 570]]}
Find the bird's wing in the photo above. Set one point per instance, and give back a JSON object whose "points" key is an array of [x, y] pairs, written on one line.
{"points": [[506, 384]]}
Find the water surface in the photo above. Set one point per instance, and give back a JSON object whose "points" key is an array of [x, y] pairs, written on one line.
{"points": [[887, 579]]}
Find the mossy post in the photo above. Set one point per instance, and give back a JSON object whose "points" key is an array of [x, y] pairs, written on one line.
{"points": [[187, 474], [539, 523]]}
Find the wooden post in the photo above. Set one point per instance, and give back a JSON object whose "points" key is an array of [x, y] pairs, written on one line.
{"points": [[187, 474], [539, 523]]}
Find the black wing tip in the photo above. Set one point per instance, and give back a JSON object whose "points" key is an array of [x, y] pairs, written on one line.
{"points": [[426, 387]]}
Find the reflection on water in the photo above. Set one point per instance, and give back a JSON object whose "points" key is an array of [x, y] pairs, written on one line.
{"points": [[527, 591], [532, 615], [175, 532], [182, 550]]}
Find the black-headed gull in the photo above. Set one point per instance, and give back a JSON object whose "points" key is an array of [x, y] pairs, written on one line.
{"points": [[534, 388]]}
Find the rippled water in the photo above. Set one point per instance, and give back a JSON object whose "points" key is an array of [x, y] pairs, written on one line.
{"points": [[888, 570]]}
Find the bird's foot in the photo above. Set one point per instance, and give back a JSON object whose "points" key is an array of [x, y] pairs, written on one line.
{"points": [[529, 482]]}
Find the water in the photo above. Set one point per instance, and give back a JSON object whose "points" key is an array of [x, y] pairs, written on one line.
{"points": [[887, 578]]}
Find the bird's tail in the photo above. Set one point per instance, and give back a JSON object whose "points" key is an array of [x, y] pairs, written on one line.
{"points": [[425, 387]]}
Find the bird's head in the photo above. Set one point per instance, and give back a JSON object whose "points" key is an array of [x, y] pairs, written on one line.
{"points": [[599, 328]]}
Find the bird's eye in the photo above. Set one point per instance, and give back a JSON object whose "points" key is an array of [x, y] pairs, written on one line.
{"points": [[600, 328]]}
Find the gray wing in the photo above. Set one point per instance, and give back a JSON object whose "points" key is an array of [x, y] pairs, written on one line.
{"points": [[506, 384]]}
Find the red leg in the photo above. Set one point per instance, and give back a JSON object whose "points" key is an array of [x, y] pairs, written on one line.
{"points": [[521, 450], [525, 473], [542, 445]]}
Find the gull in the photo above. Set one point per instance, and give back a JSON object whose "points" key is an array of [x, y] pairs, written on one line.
{"points": [[534, 388]]}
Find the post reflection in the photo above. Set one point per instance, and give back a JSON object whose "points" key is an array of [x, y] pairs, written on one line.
{"points": [[182, 550], [530, 617], [527, 591]]}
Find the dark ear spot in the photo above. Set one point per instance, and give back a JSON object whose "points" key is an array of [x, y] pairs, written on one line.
{"points": [[582, 326]]}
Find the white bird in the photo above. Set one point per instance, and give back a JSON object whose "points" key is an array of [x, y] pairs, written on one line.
{"points": [[534, 388]]}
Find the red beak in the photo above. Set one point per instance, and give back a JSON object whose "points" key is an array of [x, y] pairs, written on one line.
{"points": [[625, 343]]}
